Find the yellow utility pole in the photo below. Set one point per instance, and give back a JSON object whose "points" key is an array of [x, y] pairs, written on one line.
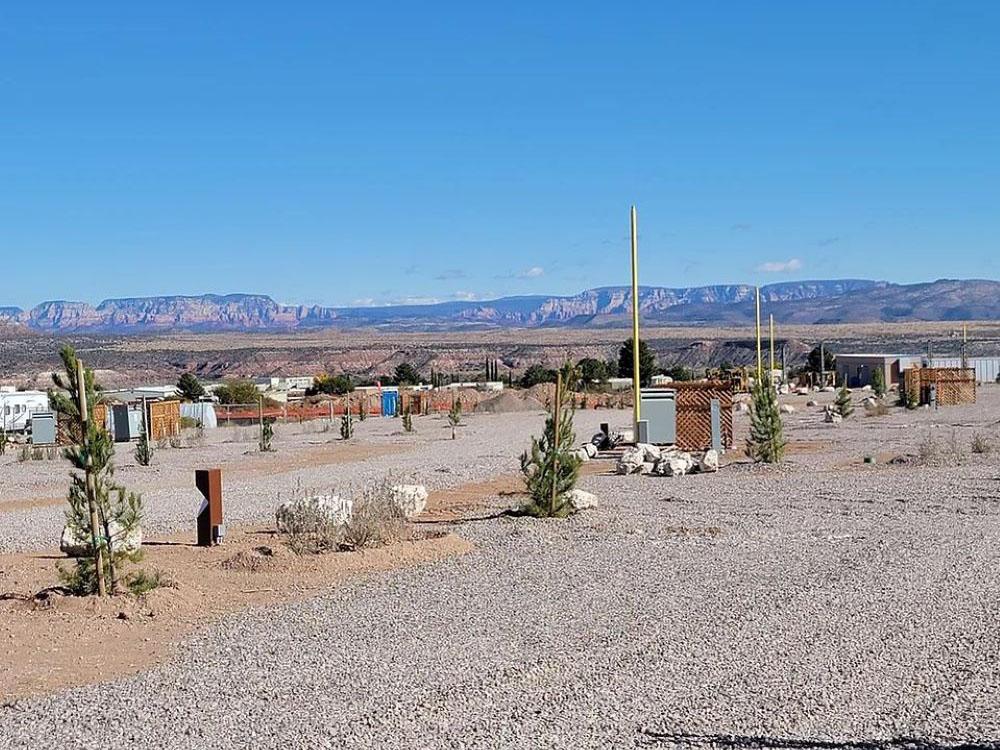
{"points": [[771, 326], [635, 322], [760, 356]]}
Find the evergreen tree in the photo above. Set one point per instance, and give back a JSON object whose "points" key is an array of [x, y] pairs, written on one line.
{"points": [[766, 442], [406, 374], [266, 435], [189, 387], [143, 449], [647, 362], [455, 415], [842, 403], [93, 494], [878, 381], [407, 420], [551, 460]]}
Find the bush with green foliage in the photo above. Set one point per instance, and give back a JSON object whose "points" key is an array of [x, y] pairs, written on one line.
{"points": [[593, 372], [647, 362], [347, 424], [331, 385], [551, 460], [4, 440], [237, 392], [536, 374], [406, 374], [455, 415], [766, 441], [189, 387]]}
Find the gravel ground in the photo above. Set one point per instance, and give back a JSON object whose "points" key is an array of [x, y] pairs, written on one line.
{"points": [[824, 600], [488, 445]]}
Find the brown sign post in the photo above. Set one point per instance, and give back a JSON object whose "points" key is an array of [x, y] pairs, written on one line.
{"points": [[211, 528]]}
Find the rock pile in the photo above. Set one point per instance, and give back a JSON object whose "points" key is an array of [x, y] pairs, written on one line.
{"points": [[668, 462]]}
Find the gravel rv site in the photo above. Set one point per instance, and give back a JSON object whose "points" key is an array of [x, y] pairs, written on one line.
{"points": [[826, 602]]}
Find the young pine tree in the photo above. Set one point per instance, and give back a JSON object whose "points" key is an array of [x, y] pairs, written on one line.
{"points": [[766, 442], [143, 449], [407, 420], [843, 402], [100, 511], [455, 415], [551, 460], [878, 382]]}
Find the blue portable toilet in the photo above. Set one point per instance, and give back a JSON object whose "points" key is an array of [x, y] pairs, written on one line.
{"points": [[390, 403]]}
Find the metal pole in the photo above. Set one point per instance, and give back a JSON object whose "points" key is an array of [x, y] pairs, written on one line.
{"points": [[81, 387], [556, 419], [771, 325], [636, 383], [760, 357]]}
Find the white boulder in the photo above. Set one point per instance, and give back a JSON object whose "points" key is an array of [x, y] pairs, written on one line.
{"points": [[786, 409], [829, 389], [803, 391], [335, 508], [833, 417], [650, 452], [709, 462], [676, 464], [741, 407], [582, 454], [411, 498], [581, 500], [866, 388], [590, 449], [784, 390], [80, 546], [631, 461]]}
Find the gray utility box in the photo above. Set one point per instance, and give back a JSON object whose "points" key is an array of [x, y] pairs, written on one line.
{"points": [[658, 407], [43, 428]]}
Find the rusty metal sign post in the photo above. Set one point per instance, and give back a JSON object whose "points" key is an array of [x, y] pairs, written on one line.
{"points": [[211, 527]]}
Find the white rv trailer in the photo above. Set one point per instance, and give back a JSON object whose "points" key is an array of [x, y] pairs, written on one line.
{"points": [[16, 408]]}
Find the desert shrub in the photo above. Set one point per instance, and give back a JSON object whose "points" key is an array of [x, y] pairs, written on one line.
{"points": [[4, 440], [175, 441], [878, 381], [332, 385], [455, 415], [189, 423], [309, 530], [766, 441], [928, 448], [551, 461], [981, 444], [956, 453], [142, 582], [537, 374], [376, 518]]}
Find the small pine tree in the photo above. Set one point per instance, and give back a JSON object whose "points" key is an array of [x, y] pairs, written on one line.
{"points": [[455, 415], [766, 442], [878, 382], [347, 426], [843, 402], [266, 436], [551, 460], [3, 441], [407, 420], [363, 409], [143, 449]]}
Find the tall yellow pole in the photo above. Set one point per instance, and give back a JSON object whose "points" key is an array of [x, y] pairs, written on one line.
{"points": [[760, 357], [635, 321], [771, 327]]}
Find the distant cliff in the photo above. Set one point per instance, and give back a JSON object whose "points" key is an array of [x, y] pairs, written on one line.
{"points": [[845, 300]]}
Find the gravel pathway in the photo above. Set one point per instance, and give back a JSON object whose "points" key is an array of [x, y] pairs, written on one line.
{"points": [[745, 609]]}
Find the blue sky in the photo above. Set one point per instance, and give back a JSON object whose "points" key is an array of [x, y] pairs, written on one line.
{"points": [[339, 153]]}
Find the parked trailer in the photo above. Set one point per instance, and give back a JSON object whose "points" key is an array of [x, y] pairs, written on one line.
{"points": [[16, 408]]}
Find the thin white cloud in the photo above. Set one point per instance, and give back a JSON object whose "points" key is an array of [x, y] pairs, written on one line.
{"points": [[781, 266], [532, 273]]}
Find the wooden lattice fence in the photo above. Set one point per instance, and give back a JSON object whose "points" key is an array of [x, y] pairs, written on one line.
{"points": [[694, 413], [954, 385]]}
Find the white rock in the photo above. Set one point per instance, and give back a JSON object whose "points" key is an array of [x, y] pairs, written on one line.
{"points": [[582, 454], [829, 389], [590, 449], [72, 545], [784, 390], [833, 417], [786, 409], [631, 461], [675, 464], [709, 462], [651, 453], [866, 388], [581, 500], [812, 402], [648, 467], [336, 508], [741, 407], [411, 498], [803, 391], [869, 402]]}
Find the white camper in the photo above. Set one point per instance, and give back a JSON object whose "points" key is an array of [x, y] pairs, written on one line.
{"points": [[16, 408]]}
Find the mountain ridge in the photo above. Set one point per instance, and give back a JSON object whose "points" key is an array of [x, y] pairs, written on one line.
{"points": [[809, 301]]}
